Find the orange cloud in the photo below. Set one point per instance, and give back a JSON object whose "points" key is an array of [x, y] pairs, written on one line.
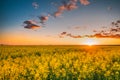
{"points": [[84, 2], [112, 32]]}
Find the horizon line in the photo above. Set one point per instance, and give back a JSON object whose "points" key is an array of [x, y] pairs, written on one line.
{"points": [[59, 45]]}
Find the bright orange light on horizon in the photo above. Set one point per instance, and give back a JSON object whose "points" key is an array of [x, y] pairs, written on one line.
{"points": [[90, 41]]}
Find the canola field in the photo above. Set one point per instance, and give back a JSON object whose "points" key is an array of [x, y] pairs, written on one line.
{"points": [[59, 62]]}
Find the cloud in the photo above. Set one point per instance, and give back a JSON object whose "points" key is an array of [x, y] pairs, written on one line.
{"points": [[74, 36], [63, 34], [78, 28], [30, 24], [112, 31], [98, 35], [75, 28], [84, 2], [57, 13], [66, 5], [61, 8], [118, 21], [35, 5], [43, 19], [70, 5]]}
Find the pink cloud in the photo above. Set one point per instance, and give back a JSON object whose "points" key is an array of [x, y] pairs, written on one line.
{"points": [[57, 13], [84, 2]]}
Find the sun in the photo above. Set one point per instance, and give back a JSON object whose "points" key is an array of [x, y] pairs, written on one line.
{"points": [[90, 42]]}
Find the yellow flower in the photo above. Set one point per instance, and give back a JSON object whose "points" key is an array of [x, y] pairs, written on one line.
{"points": [[107, 73]]}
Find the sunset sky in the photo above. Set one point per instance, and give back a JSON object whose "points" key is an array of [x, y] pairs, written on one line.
{"points": [[65, 22]]}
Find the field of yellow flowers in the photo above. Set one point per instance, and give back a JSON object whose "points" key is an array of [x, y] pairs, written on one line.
{"points": [[59, 62]]}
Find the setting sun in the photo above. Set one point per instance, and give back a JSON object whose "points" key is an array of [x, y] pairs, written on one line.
{"points": [[60, 39], [90, 41]]}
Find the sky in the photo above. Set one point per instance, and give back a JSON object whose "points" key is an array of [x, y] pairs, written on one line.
{"points": [[60, 22]]}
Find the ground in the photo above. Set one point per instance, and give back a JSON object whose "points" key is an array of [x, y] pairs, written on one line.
{"points": [[59, 62]]}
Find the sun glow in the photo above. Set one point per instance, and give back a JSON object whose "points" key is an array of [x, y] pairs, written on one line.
{"points": [[90, 41]]}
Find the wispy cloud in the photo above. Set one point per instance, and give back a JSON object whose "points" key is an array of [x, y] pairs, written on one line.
{"points": [[35, 5], [84, 2], [112, 32], [57, 13], [63, 34], [77, 27], [65, 5]]}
